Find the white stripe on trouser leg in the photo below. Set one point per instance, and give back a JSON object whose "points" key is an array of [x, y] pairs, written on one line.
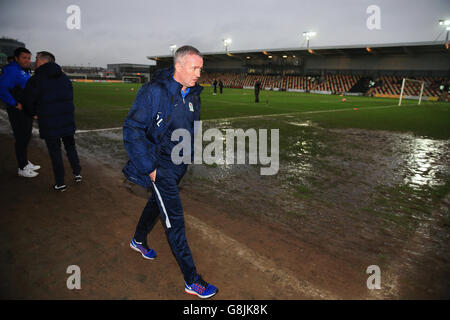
{"points": [[162, 205]]}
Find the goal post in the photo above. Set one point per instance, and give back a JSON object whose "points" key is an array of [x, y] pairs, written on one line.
{"points": [[131, 79], [403, 89]]}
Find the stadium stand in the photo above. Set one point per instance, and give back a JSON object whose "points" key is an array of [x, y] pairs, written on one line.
{"points": [[334, 83], [391, 85], [352, 70]]}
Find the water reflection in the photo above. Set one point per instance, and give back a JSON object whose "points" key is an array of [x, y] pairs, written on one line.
{"points": [[353, 165], [426, 160], [307, 123]]}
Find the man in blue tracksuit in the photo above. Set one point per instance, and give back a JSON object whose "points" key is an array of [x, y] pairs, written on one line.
{"points": [[170, 101], [12, 83]]}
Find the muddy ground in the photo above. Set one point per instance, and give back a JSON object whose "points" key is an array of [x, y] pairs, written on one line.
{"points": [[308, 233]]}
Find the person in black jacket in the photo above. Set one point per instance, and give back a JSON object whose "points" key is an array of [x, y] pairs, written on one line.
{"points": [[221, 86], [257, 89], [215, 86], [49, 97]]}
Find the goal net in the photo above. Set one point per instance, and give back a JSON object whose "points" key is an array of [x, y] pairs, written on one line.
{"points": [[131, 79], [411, 89]]}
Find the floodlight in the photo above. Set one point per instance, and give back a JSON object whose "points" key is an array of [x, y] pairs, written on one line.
{"points": [[308, 35], [226, 43], [446, 24], [173, 48]]}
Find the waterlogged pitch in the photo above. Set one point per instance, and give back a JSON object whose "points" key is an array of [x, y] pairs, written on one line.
{"points": [[360, 177], [105, 105]]}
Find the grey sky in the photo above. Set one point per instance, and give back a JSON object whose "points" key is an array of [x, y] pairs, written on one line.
{"points": [[128, 31]]}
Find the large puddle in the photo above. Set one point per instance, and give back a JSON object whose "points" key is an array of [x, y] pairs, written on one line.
{"points": [[350, 191]]}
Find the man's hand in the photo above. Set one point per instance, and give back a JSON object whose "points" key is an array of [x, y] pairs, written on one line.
{"points": [[153, 175], [19, 106]]}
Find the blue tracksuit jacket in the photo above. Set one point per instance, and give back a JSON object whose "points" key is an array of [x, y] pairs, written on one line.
{"points": [[149, 119], [13, 76]]}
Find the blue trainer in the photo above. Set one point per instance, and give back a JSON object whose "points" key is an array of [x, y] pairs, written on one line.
{"points": [[142, 247], [200, 288]]}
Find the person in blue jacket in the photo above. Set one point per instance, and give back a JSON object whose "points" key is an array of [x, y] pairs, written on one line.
{"points": [[170, 101], [12, 83], [48, 96]]}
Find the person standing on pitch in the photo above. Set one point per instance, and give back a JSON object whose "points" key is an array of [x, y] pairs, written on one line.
{"points": [[220, 86], [257, 89], [49, 97], [12, 82], [214, 86], [170, 101]]}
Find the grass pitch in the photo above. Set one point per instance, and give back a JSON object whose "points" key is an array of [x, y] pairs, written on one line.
{"points": [[104, 105]]}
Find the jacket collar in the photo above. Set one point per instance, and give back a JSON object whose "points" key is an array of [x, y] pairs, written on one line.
{"points": [[15, 65], [166, 77]]}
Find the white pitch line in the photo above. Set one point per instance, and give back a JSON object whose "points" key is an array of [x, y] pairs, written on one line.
{"points": [[97, 130], [294, 113], [259, 262], [35, 131]]}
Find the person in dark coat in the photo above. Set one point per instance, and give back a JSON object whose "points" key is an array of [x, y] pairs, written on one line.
{"points": [[170, 102], [257, 89], [215, 86], [221, 86], [49, 97]]}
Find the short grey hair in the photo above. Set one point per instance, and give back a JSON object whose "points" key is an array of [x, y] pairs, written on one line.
{"points": [[184, 51], [47, 56]]}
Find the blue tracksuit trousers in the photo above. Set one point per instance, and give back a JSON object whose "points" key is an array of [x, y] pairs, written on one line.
{"points": [[165, 202]]}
